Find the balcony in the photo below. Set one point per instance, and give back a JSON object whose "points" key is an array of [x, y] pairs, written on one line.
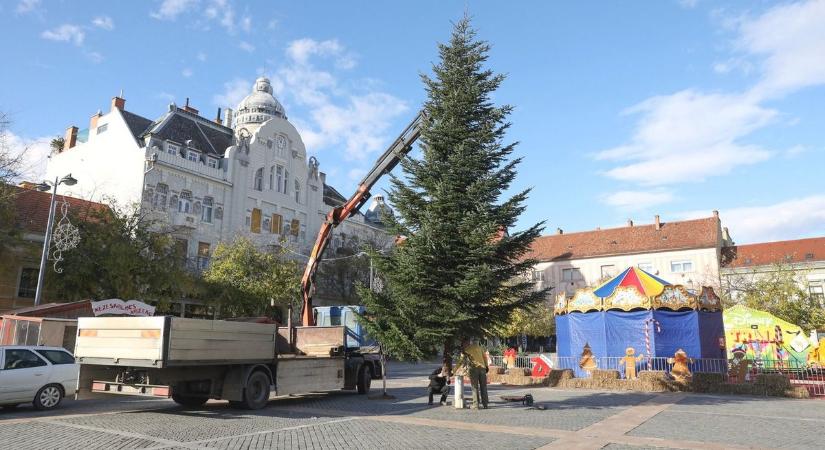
{"points": [[179, 162], [184, 220]]}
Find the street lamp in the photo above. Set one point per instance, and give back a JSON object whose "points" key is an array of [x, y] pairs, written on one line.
{"points": [[68, 180]]}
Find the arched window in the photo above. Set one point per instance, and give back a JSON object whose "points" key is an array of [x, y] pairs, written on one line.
{"points": [[206, 212], [259, 180], [272, 178], [185, 202], [297, 191]]}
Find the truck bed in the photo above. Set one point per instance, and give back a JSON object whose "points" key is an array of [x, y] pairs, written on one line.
{"points": [[172, 342]]}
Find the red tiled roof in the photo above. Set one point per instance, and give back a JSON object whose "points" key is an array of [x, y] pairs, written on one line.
{"points": [[765, 253], [687, 234], [32, 208]]}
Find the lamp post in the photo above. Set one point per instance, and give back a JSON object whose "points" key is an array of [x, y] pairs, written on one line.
{"points": [[68, 180]]}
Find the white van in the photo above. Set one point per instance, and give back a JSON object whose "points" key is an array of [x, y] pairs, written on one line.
{"points": [[36, 374]]}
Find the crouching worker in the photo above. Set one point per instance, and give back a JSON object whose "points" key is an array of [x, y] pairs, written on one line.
{"points": [[438, 385]]}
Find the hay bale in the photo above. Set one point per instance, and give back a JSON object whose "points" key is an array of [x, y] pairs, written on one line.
{"points": [[556, 376], [599, 374], [773, 381], [495, 370], [653, 375], [707, 382], [798, 392], [519, 370]]}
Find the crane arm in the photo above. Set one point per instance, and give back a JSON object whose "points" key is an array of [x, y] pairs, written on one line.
{"points": [[388, 160]]}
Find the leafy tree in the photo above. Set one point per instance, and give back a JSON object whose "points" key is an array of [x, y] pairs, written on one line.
{"points": [[9, 167], [119, 256], [537, 320], [457, 275], [247, 281], [783, 292]]}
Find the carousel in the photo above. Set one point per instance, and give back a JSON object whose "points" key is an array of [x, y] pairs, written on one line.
{"points": [[641, 311]]}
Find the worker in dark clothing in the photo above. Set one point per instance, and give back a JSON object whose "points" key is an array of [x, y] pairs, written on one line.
{"points": [[438, 385]]}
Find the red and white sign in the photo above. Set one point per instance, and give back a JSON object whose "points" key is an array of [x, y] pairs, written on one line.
{"points": [[118, 306]]}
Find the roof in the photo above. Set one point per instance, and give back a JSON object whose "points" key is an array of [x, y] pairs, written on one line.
{"points": [[332, 197], [32, 208], [687, 234], [137, 124], [71, 310], [181, 126], [779, 252]]}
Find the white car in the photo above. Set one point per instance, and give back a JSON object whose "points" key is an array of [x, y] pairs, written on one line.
{"points": [[38, 375]]}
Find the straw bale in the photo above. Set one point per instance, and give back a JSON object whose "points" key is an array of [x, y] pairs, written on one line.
{"points": [[653, 375], [599, 374]]}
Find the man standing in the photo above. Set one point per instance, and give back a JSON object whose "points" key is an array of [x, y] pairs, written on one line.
{"points": [[474, 363]]}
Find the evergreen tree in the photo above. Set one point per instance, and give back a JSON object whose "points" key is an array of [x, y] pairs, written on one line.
{"points": [[458, 274]]}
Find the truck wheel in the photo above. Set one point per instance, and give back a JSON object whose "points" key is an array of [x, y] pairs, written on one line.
{"points": [[364, 379], [189, 401], [256, 393]]}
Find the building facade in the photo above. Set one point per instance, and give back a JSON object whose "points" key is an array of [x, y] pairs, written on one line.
{"points": [[206, 181], [684, 252]]}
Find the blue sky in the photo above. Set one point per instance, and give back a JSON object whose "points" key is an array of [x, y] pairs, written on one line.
{"points": [[623, 110]]}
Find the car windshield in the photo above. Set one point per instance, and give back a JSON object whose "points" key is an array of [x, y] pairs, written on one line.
{"points": [[57, 356]]}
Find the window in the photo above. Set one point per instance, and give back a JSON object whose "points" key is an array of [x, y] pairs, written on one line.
{"points": [[161, 192], [206, 212], [608, 271], [255, 227], [538, 276], [817, 292], [102, 128], [22, 359], [681, 266], [646, 266], [279, 178], [297, 191], [212, 162], [172, 149], [28, 283], [276, 224], [203, 255], [272, 178], [286, 180], [571, 274], [294, 227], [193, 156], [57, 356], [258, 182], [185, 202]]}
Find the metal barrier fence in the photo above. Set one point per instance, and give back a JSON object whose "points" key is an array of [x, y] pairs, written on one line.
{"points": [[798, 373]]}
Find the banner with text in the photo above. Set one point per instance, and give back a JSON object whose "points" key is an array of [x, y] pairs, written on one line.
{"points": [[118, 306]]}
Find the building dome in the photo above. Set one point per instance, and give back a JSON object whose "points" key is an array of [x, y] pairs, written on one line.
{"points": [[259, 106], [377, 210]]}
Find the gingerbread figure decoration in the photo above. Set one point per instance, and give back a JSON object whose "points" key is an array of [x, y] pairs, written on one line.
{"points": [[587, 361], [739, 365], [630, 359], [680, 370]]}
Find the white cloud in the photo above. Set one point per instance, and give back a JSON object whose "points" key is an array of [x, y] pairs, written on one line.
{"points": [[186, 72], [791, 40], [689, 136], [790, 219], [94, 57], [201, 56], [688, 4], [246, 24], [171, 9], [356, 175], [33, 153], [637, 200], [27, 6], [65, 33], [104, 22], [233, 92], [246, 46], [302, 50]]}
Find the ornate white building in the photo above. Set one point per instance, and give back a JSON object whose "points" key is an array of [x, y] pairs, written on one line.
{"points": [[207, 181]]}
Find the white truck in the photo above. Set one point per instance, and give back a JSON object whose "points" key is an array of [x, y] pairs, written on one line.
{"points": [[194, 360]]}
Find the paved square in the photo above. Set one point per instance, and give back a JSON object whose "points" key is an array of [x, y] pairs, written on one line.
{"points": [[571, 419]]}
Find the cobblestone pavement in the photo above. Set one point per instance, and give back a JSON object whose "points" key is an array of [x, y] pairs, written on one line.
{"points": [[569, 419]]}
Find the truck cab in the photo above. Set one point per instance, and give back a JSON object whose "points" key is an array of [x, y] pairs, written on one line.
{"points": [[356, 335]]}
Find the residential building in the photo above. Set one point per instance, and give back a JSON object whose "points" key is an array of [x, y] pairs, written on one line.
{"points": [[743, 264], [20, 264], [684, 252]]}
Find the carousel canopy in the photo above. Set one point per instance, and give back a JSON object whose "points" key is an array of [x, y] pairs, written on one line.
{"points": [[647, 284]]}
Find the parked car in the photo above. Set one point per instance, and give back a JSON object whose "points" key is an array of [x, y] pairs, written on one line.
{"points": [[36, 374]]}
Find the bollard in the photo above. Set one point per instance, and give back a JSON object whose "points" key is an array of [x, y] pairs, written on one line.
{"points": [[458, 396]]}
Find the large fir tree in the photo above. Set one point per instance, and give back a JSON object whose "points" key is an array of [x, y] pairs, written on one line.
{"points": [[458, 274]]}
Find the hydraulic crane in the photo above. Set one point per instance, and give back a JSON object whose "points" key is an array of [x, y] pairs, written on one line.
{"points": [[388, 160]]}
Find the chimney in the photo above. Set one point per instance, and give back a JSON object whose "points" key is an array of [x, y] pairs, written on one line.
{"points": [[218, 117], [188, 108], [70, 139], [630, 222], [657, 222], [559, 231], [118, 102], [716, 213], [227, 121], [93, 121], [726, 239]]}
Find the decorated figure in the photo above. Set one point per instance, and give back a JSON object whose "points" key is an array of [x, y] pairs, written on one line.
{"points": [[739, 365], [510, 358], [680, 371], [629, 362], [587, 361]]}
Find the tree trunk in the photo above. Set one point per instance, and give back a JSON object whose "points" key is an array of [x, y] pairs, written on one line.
{"points": [[447, 358]]}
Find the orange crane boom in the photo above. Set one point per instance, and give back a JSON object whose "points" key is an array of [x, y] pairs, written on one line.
{"points": [[388, 160]]}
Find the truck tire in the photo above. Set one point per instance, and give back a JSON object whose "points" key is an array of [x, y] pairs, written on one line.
{"points": [[256, 391], [189, 401], [364, 379]]}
